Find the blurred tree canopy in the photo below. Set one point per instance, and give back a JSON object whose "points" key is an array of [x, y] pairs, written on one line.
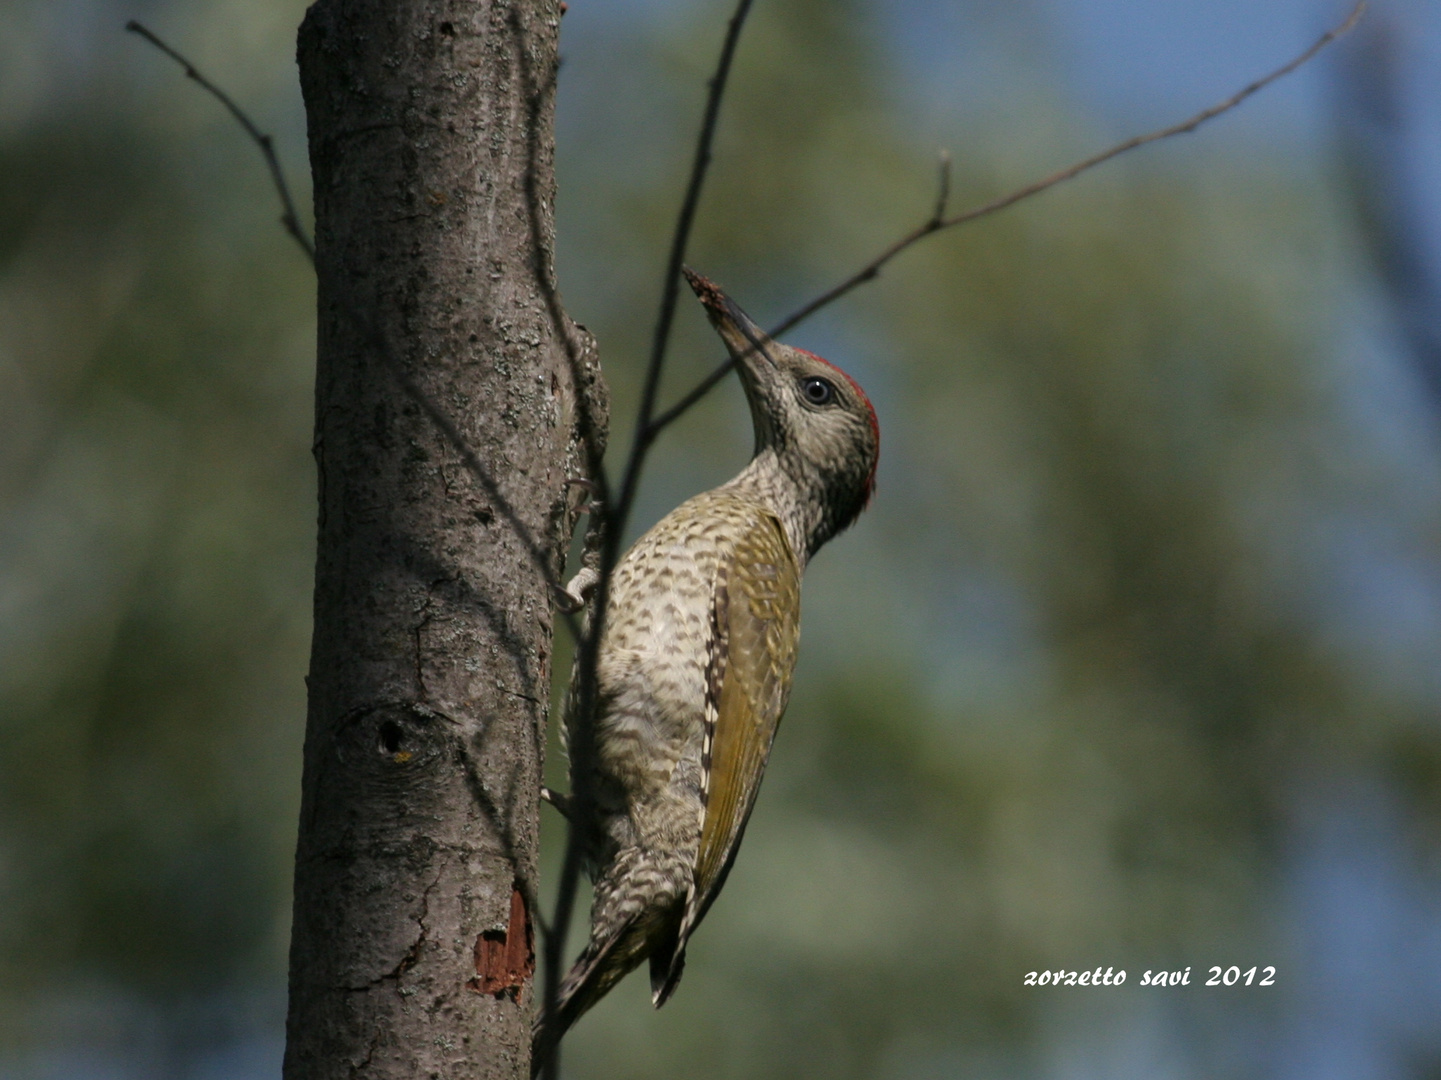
{"points": [[1069, 694]]}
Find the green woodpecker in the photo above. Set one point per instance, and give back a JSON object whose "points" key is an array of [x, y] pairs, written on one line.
{"points": [[695, 664]]}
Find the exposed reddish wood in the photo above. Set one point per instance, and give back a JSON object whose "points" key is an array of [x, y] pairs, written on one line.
{"points": [[505, 959]]}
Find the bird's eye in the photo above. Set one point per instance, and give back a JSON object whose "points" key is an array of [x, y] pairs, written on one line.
{"points": [[818, 391]]}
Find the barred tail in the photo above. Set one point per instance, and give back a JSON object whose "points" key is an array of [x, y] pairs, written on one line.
{"points": [[602, 965], [635, 914]]}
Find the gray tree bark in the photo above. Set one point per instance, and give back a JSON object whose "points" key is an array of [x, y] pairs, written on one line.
{"points": [[452, 397]]}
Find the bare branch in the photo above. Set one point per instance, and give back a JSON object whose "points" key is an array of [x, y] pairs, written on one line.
{"points": [[685, 220], [288, 218], [943, 193], [938, 222], [872, 268], [442, 422], [648, 425], [613, 519], [700, 390]]}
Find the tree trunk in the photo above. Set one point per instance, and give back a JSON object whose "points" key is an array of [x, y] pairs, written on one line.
{"points": [[451, 397]]}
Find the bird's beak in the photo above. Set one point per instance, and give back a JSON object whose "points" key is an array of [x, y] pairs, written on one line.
{"points": [[754, 354], [748, 343]]}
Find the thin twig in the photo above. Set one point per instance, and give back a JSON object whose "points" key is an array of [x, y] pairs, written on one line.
{"points": [[361, 318], [938, 222], [614, 516], [648, 425], [671, 287], [393, 364], [943, 192], [700, 390], [288, 218]]}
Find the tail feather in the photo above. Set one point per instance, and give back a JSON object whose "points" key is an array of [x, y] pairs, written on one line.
{"points": [[636, 914], [590, 977], [666, 966]]}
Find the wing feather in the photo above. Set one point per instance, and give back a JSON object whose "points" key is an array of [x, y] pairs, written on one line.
{"points": [[757, 627]]}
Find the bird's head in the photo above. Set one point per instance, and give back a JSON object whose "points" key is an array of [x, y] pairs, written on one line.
{"points": [[813, 417]]}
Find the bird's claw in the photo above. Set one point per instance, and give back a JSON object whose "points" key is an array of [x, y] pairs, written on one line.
{"points": [[557, 800], [578, 590], [594, 505]]}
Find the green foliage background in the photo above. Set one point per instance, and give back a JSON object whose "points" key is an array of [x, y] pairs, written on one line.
{"points": [[1075, 692]]}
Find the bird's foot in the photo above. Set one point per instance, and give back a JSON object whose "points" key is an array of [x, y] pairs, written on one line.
{"points": [[595, 505], [578, 590], [556, 799]]}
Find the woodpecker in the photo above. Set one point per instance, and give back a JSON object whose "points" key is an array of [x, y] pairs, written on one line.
{"points": [[695, 663]]}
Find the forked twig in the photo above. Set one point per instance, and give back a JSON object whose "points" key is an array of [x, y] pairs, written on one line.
{"points": [[288, 218], [939, 222], [614, 519], [649, 425]]}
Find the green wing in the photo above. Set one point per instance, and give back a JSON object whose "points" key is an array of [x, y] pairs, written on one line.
{"points": [[755, 629]]}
